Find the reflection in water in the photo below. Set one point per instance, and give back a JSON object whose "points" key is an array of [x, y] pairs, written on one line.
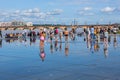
{"points": [[106, 49], [109, 39], [88, 44], [42, 52], [115, 41], [51, 47], [32, 40], [56, 45], [60, 46], [0, 43], [66, 48], [96, 47], [11, 40], [92, 45]]}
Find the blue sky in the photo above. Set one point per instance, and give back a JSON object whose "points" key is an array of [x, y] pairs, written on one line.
{"points": [[61, 11]]}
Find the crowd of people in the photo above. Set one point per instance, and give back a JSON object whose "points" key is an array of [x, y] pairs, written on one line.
{"points": [[92, 36]]}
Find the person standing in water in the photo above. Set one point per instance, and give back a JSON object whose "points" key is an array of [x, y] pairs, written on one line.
{"points": [[88, 34], [0, 43], [0, 34], [106, 36], [56, 32], [92, 32], [42, 53], [66, 34]]}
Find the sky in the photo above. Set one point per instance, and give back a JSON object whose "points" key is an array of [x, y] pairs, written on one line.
{"points": [[61, 11]]}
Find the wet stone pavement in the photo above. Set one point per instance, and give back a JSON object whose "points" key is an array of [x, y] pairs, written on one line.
{"points": [[72, 60]]}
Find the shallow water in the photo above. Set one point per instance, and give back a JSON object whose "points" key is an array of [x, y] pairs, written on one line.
{"points": [[72, 60]]}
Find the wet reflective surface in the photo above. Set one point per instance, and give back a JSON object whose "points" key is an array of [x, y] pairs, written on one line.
{"points": [[27, 59]]}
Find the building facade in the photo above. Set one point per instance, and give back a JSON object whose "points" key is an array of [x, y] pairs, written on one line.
{"points": [[29, 24], [18, 23], [5, 24], [15, 23]]}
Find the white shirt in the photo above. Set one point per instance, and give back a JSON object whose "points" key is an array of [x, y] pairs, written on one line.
{"points": [[92, 30]]}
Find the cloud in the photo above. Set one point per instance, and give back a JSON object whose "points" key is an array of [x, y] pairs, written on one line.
{"points": [[55, 12], [17, 12], [33, 15], [29, 11], [3, 13], [35, 10], [86, 11], [41, 15], [108, 9], [78, 2]]}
